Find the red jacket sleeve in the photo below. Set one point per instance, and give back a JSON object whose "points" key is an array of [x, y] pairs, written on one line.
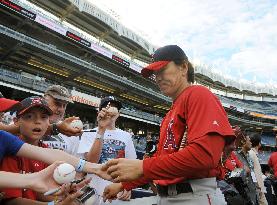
{"points": [[204, 114], [196, 160], [134, 184]]}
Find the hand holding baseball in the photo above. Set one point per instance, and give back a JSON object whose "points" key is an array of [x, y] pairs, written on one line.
{"points": [[64, 173], [104, 118], [66, 128]]}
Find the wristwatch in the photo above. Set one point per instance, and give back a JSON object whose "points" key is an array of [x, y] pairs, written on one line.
{"points": [[98, 136]]}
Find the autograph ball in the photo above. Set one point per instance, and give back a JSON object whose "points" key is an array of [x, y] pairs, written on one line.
{"points": [[64, 173], [112, 110], [77, 124]]}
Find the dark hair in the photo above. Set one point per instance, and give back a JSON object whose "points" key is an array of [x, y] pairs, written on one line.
{"points": [[255, 139], [190, 69]]}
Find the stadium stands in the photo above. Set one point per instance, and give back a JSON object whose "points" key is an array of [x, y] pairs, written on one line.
{"points": [[40, 86], [57, 26], [264, 156], [200, 70], [248, 105]]}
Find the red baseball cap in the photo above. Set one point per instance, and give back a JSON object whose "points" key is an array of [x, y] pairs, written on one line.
{"points": [[30, 102], [6, 104], [162, 57]]}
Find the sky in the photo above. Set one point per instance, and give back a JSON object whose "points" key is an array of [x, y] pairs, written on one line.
{"points": [[236, 38]]}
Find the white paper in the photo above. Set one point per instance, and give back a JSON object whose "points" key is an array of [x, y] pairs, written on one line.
{"points": [[253, 177]]}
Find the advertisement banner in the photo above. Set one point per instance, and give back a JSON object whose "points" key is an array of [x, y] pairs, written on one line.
{"points": [[101, 50], [85, 98], [50, 24], [18, 9]]}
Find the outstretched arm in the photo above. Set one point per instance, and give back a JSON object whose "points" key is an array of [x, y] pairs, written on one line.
{"points": [[40, 181], [51, 155], [63, 127]]}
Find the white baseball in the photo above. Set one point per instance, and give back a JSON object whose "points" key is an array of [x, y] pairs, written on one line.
{"points": [[64, 173], [77, 124], [112, 110]]}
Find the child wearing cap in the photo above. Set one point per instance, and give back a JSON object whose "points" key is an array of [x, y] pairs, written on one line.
{"points": [[43, 180], [33, 120]]}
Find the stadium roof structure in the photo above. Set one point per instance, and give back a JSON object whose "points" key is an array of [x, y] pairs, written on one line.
{"points": [[78, 11], [45, 52], [44, 46], [206, 74], [96, 22]]}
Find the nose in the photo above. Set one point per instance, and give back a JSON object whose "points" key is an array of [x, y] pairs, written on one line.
{"points": [[38, 120], [61, 108]]}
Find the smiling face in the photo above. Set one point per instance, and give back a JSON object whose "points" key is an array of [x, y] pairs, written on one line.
{"points": [[172, 79], [33, 124], [58, 108]]}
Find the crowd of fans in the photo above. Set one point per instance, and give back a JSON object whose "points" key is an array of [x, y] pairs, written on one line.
{"points": [[240, 176]]}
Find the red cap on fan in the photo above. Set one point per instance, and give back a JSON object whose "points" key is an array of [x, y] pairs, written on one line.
{"points": [[6, 104]]}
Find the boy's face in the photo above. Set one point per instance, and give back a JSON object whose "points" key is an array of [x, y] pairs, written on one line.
{"points": [[33, 123]]}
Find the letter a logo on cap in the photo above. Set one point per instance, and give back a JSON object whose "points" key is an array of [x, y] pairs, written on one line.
{"points": [[215, 123], [36, 101]]}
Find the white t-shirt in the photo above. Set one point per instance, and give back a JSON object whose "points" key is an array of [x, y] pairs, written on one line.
{"points": [[62, 142], [257, 169], [117, 144]]}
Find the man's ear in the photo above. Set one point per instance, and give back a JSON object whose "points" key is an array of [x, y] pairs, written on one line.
{"points": [[184, 69]]}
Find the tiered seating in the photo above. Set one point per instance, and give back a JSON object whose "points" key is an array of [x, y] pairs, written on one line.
{"points": [[248, 105]]}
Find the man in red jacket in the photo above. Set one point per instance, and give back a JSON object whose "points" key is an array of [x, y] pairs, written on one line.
{"points": [[192, 137]]}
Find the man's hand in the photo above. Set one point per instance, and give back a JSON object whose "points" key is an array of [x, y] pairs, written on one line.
{"points": [[111, 191], [92, 168], [124, 195], [71, 199], [69, 192], [71, 187], [65, 128], [43, 181], [123, 170]]}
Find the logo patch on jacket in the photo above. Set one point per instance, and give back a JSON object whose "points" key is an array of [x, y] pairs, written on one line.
{"points": [[170, 139]]}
